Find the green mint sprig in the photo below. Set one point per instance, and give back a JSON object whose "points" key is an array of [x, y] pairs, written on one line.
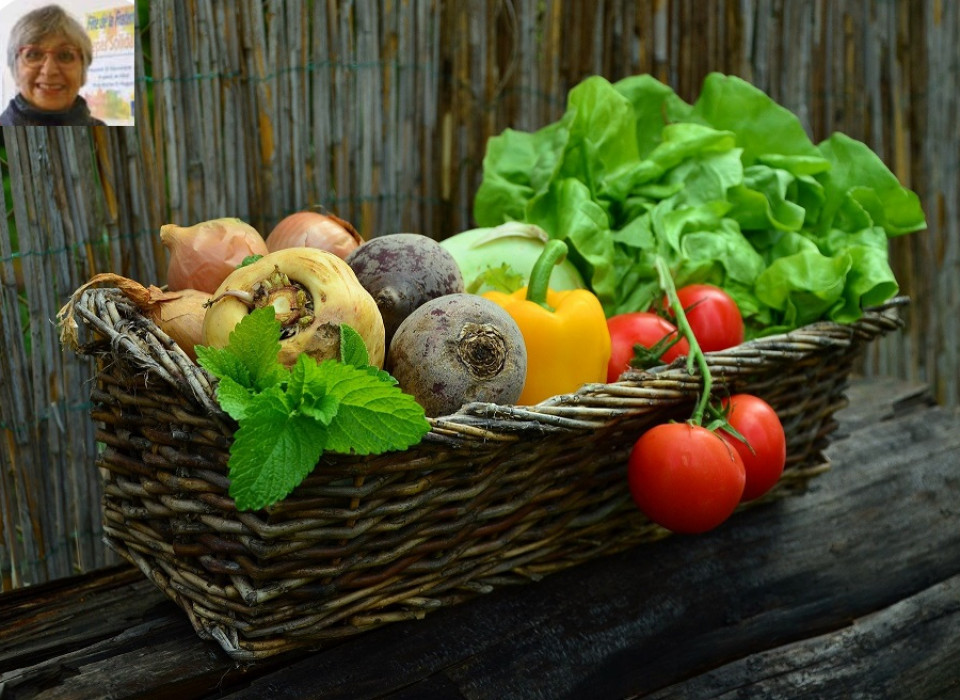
{"points": [[287, 418]]}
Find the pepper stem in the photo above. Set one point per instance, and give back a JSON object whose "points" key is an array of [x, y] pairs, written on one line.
{"points": [[696, 354], [554, 253]]}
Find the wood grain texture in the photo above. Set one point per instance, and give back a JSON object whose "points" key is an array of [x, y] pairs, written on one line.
{"points": [[847, 591]]}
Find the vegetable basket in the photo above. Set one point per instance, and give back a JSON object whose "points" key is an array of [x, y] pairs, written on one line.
{"points": [[493, 495]]}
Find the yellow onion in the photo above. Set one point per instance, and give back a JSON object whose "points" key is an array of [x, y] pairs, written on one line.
{"points": [[202, 255], [312, 229], [312, 292], [179, 314]]}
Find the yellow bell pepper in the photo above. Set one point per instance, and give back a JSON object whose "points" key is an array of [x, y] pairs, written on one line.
{"points": [[566, 334]]}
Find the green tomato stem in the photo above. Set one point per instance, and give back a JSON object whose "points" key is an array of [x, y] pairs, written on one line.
{"points": [[696, 354], [554, 253]]}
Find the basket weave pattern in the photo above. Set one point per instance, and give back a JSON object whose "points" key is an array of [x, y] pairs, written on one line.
{"points": [[494, 495]]}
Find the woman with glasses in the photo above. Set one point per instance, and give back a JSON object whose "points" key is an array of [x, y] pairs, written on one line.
{"points": [[48, 54]]}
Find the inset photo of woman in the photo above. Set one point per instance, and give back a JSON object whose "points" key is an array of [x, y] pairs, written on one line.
{"points": [[68, 64]]}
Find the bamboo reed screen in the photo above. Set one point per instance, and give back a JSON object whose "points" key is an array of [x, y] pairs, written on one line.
{"points": [[380, 112]]}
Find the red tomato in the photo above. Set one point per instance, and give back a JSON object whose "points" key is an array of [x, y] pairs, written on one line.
{"points": [[684, 477], [639, 328], [756, 420], [713, 315]]}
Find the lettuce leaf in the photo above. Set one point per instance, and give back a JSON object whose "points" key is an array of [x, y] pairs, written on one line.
{"points": [[729, 190]]}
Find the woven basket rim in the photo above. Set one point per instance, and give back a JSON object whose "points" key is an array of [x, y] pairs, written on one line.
{"points": [[591, 406]]}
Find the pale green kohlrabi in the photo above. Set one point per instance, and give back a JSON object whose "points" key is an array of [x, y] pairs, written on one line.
{"points": [[500, 258]]}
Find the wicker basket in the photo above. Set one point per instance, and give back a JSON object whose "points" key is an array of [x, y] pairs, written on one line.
{"points": [[494, 495]]}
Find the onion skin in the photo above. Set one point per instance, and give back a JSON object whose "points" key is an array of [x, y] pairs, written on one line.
{"points": [[202, 255], [311, 229], [330, 285], [179, 314]]}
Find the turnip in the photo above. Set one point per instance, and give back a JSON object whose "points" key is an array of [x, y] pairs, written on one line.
{"points": [[312, 293], [455, 349], [402, 271]]}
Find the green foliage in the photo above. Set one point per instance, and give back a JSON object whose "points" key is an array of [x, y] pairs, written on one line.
{"points": [[288, 417], [728, 191]]}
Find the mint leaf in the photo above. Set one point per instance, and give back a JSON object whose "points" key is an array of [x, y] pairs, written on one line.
{"points": [[323, 409], [249, 341], [250, 358], [307, 391], [274, 450], [353, 351], [288, 417], [235, 398], [223, 364], [373, 417]]}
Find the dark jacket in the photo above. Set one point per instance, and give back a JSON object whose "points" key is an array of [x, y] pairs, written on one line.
{"points": [[21, 113]]}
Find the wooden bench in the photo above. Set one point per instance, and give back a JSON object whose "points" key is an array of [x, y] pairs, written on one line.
{"points": [[850, 589]]}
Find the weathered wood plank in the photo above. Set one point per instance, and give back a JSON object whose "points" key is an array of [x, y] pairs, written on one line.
{"points": [[911, 649], [43, 622], [787, 596], [107, 634], [879, 399]]}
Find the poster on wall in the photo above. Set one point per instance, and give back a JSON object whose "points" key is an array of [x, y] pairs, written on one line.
{"points": [[109, 88]]}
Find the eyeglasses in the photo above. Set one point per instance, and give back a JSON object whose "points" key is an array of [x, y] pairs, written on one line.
{"points": [[34, 56]]}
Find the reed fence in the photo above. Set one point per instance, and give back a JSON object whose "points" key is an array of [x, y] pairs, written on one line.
{"points": [[380, 112]]}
